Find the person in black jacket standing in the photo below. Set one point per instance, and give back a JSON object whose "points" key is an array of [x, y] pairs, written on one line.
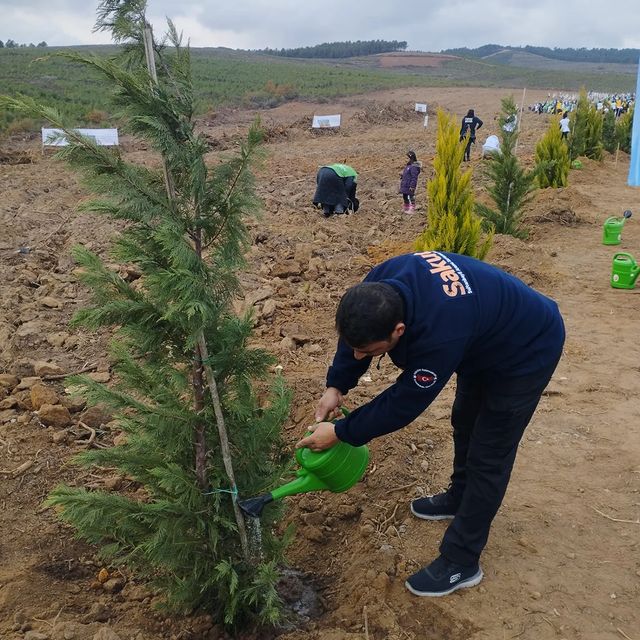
{"points": [[470, 124], [437, 314]]}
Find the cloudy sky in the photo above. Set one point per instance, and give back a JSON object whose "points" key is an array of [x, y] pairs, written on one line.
{"points": [[427, 25]]}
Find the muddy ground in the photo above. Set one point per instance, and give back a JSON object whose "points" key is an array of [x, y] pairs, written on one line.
{"points": [[563, 560]]}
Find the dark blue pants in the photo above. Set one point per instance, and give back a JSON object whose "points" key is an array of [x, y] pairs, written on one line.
{"points": [[489, 417]]}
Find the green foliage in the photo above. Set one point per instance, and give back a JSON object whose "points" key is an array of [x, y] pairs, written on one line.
{"points": [[452, 224], [185, 232], [624, 126], [510, 184], [609, 140], [340, 49], [625, 56], [593, 139], [552, 159], [579, 123]]}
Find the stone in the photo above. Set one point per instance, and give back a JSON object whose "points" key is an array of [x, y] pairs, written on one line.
{"points": [[98, 612], [268, 308], [22, 368], [8, 381], [120, 439], [287, 344], [57, 339], [286, 268], [51, 303], [71, 342], [44, 368], [30, 328], [257, 296], [24, 399], [27, 383], [41, 394], [60, 437], [9, 403], [96, 416], [35, 635], [113, 585], [73, 403], [54, 415]]}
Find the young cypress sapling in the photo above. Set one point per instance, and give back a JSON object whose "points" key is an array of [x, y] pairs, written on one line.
{"points": [[200, 415]]}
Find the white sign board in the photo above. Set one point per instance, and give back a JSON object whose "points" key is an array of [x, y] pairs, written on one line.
{"points": [[102, 137], [421, 108], [322, 122]]}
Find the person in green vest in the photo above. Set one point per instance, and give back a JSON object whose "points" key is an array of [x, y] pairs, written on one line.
{"points": [[336, 189]]}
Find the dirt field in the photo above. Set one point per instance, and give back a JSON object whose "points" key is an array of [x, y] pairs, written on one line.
{"points": [[563, 560]]}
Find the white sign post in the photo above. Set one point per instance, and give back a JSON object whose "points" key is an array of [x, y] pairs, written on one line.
{"points": [[325, 122], [57, 138], [421, 107]]}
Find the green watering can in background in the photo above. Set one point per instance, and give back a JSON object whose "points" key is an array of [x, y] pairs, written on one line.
{"points": [[624, 271], [612, 228], [336, 469]]}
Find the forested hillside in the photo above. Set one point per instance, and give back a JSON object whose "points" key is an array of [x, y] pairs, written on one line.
{"points": [[624, 56], [340, 49]]}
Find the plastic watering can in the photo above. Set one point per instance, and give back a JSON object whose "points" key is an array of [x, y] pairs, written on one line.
{"points": [[612, 228], [624, 271], [336, 469]]}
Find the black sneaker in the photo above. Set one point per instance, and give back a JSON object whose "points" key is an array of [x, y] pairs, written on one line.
{"points": [[439, 507], [442, 577]]}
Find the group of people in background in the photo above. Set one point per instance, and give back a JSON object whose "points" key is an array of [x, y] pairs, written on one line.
{"points": [[618, 102], [336, 184]]}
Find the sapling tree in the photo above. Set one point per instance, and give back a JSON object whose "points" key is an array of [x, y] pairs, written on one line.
{"points": [[200, 416], [452, 224], [510, 185], [552, 158]]}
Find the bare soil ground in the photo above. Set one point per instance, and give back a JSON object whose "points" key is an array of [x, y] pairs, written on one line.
{"points": [[563, 560]]}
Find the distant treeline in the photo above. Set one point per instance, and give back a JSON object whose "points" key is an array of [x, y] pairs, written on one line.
{"points": [[339, 49], [12, 44], [624, 56]]}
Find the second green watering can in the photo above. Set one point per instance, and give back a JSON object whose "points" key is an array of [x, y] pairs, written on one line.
{"points": [[336, 469], [624, 271], [612, 228]]}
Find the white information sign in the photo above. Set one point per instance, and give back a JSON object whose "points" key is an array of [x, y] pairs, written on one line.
{"points": [[421, 107], [102, 137], [322, 122]]}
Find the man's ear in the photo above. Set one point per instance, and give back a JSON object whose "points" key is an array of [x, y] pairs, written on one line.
{"points": [[398, 330]]}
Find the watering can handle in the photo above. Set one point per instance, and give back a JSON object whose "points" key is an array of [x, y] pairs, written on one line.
{"points": [[623, 253]]}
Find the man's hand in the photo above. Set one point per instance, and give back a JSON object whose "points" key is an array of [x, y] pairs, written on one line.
{"points": [[323, 437], [329, 405]]}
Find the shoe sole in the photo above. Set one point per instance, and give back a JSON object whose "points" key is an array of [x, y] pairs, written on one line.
{"points": [[422, 516], [469, 582]]}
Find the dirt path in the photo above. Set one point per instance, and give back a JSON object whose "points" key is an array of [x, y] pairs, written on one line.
{"points": [[563, 558]]}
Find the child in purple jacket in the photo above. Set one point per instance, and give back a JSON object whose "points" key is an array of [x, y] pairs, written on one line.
{"points": [[409, 182]]}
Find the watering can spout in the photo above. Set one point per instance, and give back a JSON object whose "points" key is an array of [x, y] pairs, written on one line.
{"points": [[253, 507]]}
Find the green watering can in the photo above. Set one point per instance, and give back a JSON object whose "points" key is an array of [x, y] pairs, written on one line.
{"points": [[612, 228], [624, 271], [336, 469]]}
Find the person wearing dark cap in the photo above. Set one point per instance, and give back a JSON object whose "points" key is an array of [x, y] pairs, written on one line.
{"points": [[470, 124], [409, 182], [336, 189]]}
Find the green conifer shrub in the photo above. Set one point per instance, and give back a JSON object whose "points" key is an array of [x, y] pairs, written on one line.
{"points": [[552, 159], [510, 185], [624, 126], [452, 224], [578, 125], [593, 134], [609, 140], [201, 416]]}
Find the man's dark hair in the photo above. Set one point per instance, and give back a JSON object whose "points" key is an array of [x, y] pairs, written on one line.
{"points": [[368, 312]]}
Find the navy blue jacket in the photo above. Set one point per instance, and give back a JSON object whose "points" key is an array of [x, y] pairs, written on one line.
{"points": [[462, 316]]}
